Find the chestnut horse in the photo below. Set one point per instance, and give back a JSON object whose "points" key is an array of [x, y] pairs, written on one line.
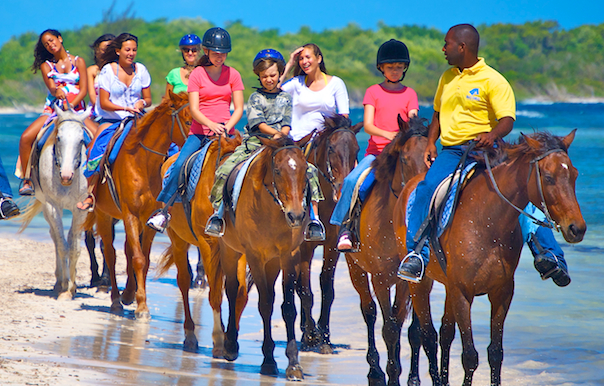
{"points": [[484, 240], [136, 173], [182, 236], [267, 227], [400, 161], [334, 153]]}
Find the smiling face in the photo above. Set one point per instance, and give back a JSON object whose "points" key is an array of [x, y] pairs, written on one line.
{"points": [[308, 61], [393, 71], [127, 53], [190, 54], [216, 58], [52, 43], [269, 78]]}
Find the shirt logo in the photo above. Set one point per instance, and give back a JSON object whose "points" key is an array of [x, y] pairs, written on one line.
{"points": [[473, 94]]}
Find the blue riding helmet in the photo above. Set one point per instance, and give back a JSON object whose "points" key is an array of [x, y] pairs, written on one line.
{"points": [[217, 39], [190, 40], [269, 53]]}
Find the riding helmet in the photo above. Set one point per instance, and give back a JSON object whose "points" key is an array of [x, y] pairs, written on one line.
{"points": [[217, 39], [190, 40], [268, 53], [393, 51]]}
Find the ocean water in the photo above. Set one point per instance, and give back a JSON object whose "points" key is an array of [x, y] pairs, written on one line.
{"points": [[553, 336]]}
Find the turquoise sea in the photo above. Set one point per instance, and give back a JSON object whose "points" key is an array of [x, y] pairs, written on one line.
{"points": [[553, 335]]}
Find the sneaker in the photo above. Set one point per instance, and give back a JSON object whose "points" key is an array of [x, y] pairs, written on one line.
{"points": [[344, 242], [215, 226], [549, 265], [315, 231], [8, 208], [412, 268], [159, 220]]}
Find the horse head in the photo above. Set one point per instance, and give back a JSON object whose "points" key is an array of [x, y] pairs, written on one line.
{"points": [[551, 183], [285, 169], [70, 142], [181, 116]]}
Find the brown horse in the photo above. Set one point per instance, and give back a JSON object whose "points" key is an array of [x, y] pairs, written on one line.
{"points": [[400, 160], [484, 240], [136, 173], [182, 236], [267, 227], [334, 153]]}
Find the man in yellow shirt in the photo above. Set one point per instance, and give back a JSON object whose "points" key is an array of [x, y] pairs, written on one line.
{"points": [[473, 102]]}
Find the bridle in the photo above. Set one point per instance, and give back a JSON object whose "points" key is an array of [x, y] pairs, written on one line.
{"points": [[329, 177], [175, 118], [275, 193], [57, 156], [550, 223]]}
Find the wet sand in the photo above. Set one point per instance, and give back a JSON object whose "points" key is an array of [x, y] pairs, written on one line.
{"points": [[48, 342]]}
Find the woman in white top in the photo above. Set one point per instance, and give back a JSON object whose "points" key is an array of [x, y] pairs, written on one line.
{"points": [[315, 94]]}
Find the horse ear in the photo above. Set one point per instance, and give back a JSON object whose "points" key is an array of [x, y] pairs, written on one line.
{"points": [[569, 138], [59, 111], [356, 128], [533, 143], [302, 142], [402, 125]]}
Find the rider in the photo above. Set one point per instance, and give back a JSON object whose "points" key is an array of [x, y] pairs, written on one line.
{"points": [[269, 113], [383, 103], [473, 102], [212, 87], [178, 78]]}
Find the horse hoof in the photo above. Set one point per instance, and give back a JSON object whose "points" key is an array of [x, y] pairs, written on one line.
{"points": [[117, 308], [326, 349], [294, 373], [269, 369], [231, 350], [376, 377], [67, 295], [95, 282], [218, 353], [413, 381], [190, 344], [127, 298], [143, 316]]}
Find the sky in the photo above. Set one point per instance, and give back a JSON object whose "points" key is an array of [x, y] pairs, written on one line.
{"points": [[288, 16]]}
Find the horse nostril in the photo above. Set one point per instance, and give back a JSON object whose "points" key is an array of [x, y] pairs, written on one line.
{"points": [[291, 218]]}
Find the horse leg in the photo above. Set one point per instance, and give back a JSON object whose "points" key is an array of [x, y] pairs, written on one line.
{"points": [[294, 370], [54, 218], [140, 264], [415, 342], [200, 277], [391, 331], [229, 266], [360, 283], [500, 300], [179, 253], [330, 261], [95, 278], [129, 292], [73, 242], [105, 277], [213, 263], [104, 224], [311, 336], [462, 309], [447, 334], [421, 304]]}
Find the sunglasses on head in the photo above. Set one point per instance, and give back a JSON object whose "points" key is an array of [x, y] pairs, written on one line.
{"points": [[193, 50]]}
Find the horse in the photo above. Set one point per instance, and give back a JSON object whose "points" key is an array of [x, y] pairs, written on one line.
{"points": [[137, 182], [59, 184], [400, 161], [483, 243], [334, 152], [182, 235], [267, 226]]}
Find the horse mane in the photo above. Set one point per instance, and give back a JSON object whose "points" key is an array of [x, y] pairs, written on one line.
{"points": [[331, 124], [385, 163]]}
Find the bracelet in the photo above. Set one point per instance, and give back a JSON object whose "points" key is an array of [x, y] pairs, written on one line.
{"points": [[144, 103]]}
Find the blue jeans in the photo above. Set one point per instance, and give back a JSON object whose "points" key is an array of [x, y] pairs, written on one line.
{"points": [[193, 143], [545, 236], [343, 205], [5, 188]]}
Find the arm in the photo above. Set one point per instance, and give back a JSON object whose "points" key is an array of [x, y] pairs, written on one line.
{"points": [[140, 104], [81, 66], [107, 105], [341, 97], [91, 72], [266, 129], [293, 58], [433, 133], [238, 112], [504, 127], [371, 129]]}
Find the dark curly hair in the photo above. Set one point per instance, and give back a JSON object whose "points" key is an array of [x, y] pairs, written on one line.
{"points": [[95, 46], [116, 44], [41, 54]]}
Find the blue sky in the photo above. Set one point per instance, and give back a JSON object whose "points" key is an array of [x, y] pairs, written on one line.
{"points": [[289, 16]]}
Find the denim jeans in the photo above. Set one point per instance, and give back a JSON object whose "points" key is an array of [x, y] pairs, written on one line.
{"points": [[545, 236], [193, 143], [343, 205], [5, 188]]}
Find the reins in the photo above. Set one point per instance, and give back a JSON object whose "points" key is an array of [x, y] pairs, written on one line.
{"points": [[550, 222], [329, 177], [275, 193], [174, 118]]}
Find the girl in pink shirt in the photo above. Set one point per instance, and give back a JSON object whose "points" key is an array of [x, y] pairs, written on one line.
{"points": [[212, 87]]}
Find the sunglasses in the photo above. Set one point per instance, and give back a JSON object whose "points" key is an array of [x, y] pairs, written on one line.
{"points": [[193, 50]]}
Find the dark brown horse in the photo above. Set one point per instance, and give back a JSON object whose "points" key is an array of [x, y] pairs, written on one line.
{"points": [[182, 236], [267, 227], [136, 173], [334, 153], [483, 243], [400, 160]]}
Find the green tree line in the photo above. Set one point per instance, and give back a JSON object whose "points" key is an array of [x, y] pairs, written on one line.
{"points": [[538, 58]]}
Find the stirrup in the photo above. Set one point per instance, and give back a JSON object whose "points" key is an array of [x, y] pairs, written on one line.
{"points": [[89, 207], [319, 236], [12, 210], [29, 191], [159, 220], [409, 276], [214, 226]]}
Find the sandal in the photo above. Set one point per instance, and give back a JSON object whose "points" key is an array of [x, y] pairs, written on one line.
{"points": [[88, 204], [27, 188]]}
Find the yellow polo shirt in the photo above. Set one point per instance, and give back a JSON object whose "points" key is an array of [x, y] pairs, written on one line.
{"points": [[471, 101]]}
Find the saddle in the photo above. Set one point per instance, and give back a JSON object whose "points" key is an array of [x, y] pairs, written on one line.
{"points": [[234, 183], [361, 191]]}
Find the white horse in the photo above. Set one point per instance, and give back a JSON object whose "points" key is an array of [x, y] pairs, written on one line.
{"points": [[59, 183]]}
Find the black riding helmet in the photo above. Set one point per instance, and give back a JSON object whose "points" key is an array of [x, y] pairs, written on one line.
{"points": [[217, 39], [393, 51]]}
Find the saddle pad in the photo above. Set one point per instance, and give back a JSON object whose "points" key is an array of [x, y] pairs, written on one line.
{"points": [[44, 135], [100, 146], [439, 196], [240, 176]]}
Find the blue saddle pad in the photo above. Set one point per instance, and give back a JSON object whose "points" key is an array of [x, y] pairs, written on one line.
{"points": [[240, 176], [100, 145], [197, 158]]}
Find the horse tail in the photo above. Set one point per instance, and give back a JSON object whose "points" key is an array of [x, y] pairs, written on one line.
{"points": [[89, 222], [28, 213], [215, 275], [403, 300], [166, 261]]}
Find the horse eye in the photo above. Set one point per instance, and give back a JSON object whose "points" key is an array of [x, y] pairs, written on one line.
{"points": [[188, 123], [550, 180]]}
